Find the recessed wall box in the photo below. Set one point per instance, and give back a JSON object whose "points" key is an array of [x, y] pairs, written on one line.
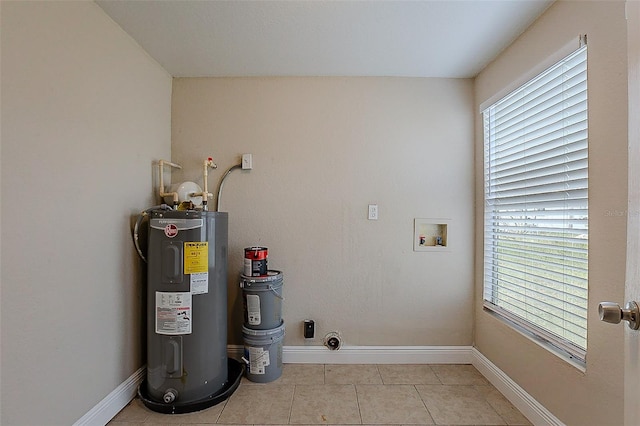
{"points": [[431, 235]]}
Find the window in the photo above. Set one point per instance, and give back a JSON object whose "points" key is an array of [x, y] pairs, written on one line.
{"points": [[536, 206]]}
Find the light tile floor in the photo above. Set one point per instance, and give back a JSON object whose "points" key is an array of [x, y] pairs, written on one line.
{"points": [[351, 394]]}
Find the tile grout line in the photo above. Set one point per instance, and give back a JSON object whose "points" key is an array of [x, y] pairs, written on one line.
{"points": [[293, 397], [223, 407], [355, 388], [324, 374], [424, 403], [484, 397], [436, 374]]}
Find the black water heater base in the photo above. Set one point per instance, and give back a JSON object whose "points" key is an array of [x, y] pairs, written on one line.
{"points": [[236, 371]]}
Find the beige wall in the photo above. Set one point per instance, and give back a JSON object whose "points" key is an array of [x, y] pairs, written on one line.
{"points": [[323, 149], [593, 397], [84, 113], [632, 288]]}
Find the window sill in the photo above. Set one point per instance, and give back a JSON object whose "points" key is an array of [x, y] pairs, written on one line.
{"points": [[545, 344]]}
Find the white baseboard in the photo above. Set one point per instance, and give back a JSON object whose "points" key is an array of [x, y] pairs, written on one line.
{"points": [[378, 355], [532, 409], [113, 403], [369, 354], [529, 406]]}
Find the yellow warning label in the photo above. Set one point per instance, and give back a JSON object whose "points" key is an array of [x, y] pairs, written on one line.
{"points": [[196, 257]]}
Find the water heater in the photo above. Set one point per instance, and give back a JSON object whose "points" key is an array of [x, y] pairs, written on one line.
{"points": [[187, 364]]}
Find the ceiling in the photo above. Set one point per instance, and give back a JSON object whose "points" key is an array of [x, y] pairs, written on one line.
{"points": [[420, 38]]}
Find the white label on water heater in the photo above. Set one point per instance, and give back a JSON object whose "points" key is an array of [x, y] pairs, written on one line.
{"points": [[253, 309], [173, 313], [200, 283], [258, 360]]}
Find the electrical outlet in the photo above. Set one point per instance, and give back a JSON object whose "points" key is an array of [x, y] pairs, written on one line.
{"points": [[373, 212], [309, 329], [247, 162]]}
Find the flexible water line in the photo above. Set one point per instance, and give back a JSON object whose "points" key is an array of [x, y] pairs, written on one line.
{"points": [[237, 166], [136, 228]]}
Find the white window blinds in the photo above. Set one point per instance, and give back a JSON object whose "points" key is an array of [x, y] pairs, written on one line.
{"points": [[536, 206]]}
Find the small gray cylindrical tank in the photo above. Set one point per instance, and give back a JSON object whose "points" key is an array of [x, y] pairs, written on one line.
{"points": [[186, 305]]}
